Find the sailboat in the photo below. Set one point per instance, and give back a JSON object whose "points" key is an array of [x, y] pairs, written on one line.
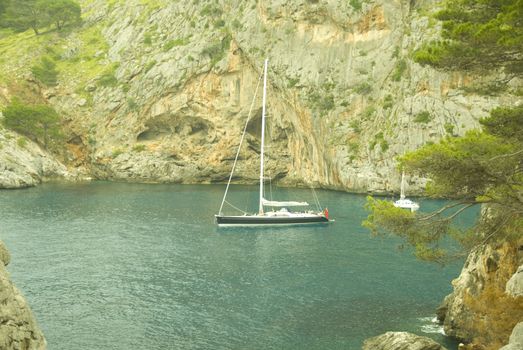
{"points": [[403, 202], [270, 217]]}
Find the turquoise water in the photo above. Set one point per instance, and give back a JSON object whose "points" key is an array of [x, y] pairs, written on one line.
{"points": [[130, 266]]}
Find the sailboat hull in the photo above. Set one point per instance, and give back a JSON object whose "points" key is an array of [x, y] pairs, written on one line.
{"points": [[261, 220]]}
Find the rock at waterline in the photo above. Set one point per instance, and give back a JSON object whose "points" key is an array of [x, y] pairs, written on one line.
{"points": [[515, 284], [516, 338], [401, 341], [18, 327]]}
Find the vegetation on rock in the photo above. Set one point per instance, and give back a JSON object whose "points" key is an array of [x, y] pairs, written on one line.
{"points": [[21, 15], [46, 71], [39, 122], [476, 34], [479, 168]]}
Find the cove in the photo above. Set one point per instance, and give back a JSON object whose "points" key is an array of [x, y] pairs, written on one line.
{"points": [[133, 266]]}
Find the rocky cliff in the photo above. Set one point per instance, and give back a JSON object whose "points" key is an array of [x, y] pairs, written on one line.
{"points": [[159, 90], [23, 163], [18, 328], [487, 301]]}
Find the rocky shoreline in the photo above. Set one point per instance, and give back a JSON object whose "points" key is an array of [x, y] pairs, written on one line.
{"points": [[18, 327]]}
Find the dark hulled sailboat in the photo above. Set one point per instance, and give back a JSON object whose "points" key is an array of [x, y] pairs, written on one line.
{"points": [[272, 217]]}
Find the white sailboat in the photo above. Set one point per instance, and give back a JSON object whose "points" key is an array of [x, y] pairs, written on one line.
{"points": [[403, 202], [270, 217]]}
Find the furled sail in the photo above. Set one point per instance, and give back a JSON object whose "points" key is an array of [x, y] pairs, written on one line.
{"points": [[283, 204]]}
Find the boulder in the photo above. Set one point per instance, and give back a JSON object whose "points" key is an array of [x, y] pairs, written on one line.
{"points": [[515, 284], [516, 338], [401, 341]]}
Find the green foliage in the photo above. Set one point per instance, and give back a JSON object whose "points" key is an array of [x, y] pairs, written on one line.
{"points": [[483, 34], [379, 139], [385, 218], [356, 4], [216, 52], [219, 23], [3, 5], [356, 126], [46, 71], [505, 123], [173, 43], [292, 82], [401, 67], [396, 52], [21, 142], [21, 15], [489, 89], [116, 153], [449, 128], [354, 147], [363, 88], [212, 10], [138, 148], [236, 24], [368, 112], [423, 117], [388, 102], [61, 12], [107, 80], [384, 145], [147, 39], [131, 104], [149, 66], [468, 157], [479, 168], [321, 101], [40, 123]]}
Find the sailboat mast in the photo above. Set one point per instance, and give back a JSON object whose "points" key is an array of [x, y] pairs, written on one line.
{"points": [[402, 187], [263, 134]]}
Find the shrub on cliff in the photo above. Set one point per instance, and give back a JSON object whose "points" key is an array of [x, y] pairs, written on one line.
{"points": [[46, 71], [41, 123]]}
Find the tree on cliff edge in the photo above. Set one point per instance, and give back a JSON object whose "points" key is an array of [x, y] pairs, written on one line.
{"points": [[479, 168]]}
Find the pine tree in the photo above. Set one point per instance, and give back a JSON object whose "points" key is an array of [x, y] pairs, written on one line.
{"points": [[481, 168], [478, 34]]}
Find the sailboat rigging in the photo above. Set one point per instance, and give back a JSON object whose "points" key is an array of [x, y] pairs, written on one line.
{"points": [[404, 202], [271, 217]]}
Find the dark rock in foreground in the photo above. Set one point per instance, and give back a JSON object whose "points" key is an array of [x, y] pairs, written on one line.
{"points": [[401, 341]]}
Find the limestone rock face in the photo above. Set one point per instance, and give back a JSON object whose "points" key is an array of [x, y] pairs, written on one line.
{"points": [[515, 283], [401, 341], [18, 328], [24, 164], [516, 339], [344, 96], [476, 311]]}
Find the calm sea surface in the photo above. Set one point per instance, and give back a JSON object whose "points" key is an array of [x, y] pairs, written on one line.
{"points": [[130, 266]]}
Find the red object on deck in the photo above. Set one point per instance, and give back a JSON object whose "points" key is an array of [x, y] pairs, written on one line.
{"points": [[326, 212]]}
